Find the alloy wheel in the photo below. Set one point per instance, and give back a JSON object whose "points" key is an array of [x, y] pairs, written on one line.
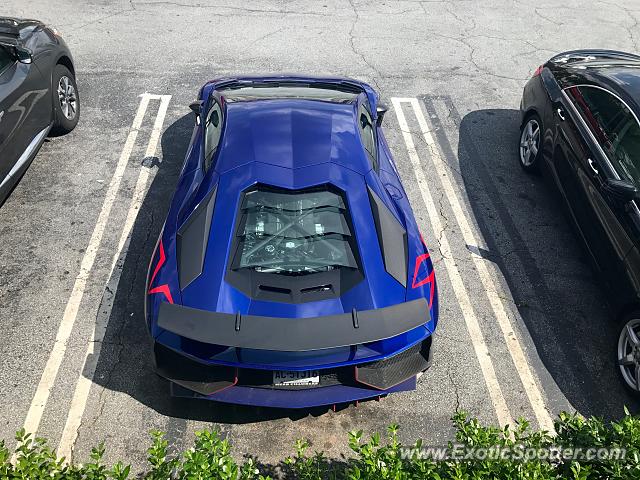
{"points": [[529, 142], [629, 354], [68, 98]]}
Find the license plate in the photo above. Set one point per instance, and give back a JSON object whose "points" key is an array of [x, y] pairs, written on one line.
{"points": [[283, 378]]}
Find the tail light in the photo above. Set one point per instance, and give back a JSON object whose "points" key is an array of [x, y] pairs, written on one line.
{"points": [[538, 71]]}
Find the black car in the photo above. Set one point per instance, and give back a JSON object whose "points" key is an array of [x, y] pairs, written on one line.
{"points": [[38, 94], [580, 125]]}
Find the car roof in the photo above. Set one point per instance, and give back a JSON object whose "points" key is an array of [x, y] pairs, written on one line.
{"points": [[616, 71], [291, 133], [624, 78]]}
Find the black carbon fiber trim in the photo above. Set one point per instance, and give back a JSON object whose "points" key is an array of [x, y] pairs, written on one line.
{"points": [[387, 373], [192, 240], [392, 238], [196, 376], [303, 334], [207, 379]]}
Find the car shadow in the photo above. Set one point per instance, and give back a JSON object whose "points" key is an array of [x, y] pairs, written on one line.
{"points": [[546, 268], [125, 362]]}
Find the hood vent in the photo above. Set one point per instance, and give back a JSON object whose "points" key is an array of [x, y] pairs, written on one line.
{"points": [[268, 288], [318, 289]]}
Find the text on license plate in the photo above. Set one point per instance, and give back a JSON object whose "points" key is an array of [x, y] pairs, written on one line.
{"points": [[283, 377]]}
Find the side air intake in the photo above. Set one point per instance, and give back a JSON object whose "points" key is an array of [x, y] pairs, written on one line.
{"points": [[392, 238], [192, 240]]}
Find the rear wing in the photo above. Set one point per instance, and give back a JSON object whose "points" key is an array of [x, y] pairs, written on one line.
{"points": [[293, 334], [341, 85]]}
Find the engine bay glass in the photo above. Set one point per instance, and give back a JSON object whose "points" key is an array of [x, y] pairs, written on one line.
{"points": [[294, 233]]}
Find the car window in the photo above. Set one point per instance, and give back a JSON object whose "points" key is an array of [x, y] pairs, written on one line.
{"points": [[367, 134], [294, 233], [212, 129], [5, 59], [614, 126]]}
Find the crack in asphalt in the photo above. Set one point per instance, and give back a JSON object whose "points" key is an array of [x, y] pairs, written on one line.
{"points": [[467, 33], [630, 29], [118, 336], [456, 390], [418, 136], [447, 7], [232, 8], [100, 19], [264, 37], [545, 18], [356, 51], [444, 227]]}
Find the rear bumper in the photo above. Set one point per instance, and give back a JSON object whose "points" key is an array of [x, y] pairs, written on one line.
{"points": [[192, 378], [259, 397]]}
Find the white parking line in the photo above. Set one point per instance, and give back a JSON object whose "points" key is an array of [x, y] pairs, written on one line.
{"points": [[94, 348], [141, 185], [39, 402], [471, 321], [495, 299]]}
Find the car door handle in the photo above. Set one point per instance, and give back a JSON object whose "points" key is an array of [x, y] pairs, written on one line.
{"points": [[592, 164], [561, 114]]}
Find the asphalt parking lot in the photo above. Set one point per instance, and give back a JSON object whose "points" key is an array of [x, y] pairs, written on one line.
{"points": [[524, 328]]}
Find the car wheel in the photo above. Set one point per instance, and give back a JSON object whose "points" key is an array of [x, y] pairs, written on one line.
{"points": [[66, 102], [628, 354], [529, 146]]}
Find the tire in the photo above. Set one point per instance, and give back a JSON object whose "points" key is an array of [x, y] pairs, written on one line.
{"points": [[529, 143], [66, 102], [628, 352]]}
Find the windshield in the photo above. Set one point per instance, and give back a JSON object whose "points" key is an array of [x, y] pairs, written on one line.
{"points": [[293, 233]]}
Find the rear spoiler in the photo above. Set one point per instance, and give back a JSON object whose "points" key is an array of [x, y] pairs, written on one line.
{"points": [[293, 334], [342, 85]]}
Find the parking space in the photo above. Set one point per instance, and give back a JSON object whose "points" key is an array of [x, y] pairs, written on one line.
{"points": [[524, 329]]}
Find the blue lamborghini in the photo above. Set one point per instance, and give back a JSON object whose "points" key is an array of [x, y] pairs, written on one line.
{"points": [[290, 271]]}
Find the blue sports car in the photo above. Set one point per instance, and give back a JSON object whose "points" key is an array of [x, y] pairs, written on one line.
{"points": [[290, 271]]}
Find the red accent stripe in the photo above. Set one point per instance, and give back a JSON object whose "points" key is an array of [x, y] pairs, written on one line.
{"points": [[424, 281], [163, 289], [429, 279], [161, 261], [419, 260], [235, 382]]}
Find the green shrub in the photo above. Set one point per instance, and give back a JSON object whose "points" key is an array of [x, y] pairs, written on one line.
{"points": [[479, 452]]}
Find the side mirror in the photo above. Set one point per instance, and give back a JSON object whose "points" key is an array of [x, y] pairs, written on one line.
{"points": [[381, 109], [196, 107], [621, 190], [22, 54]]}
